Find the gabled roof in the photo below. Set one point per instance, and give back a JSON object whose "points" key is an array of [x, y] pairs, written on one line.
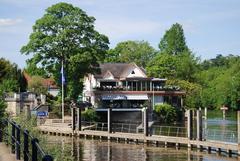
{"points": [[118, 70]]}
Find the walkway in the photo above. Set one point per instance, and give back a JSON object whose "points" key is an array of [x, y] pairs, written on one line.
{"points": [[5, 153]]}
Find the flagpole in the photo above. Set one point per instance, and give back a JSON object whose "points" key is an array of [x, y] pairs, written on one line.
{"points": [[62, 94]]}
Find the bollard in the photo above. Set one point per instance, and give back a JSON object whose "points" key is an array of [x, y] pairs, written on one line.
{"points": [[190, 127], [18, 142], [47, 158], [34, 149], [109, 120], [13, 138], [26, 147]]}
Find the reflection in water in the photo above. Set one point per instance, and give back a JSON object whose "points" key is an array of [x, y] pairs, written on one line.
{"points": [[94, 150]]}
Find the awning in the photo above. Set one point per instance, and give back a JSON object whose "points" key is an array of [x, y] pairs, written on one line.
{"points": [[125, 97], [114, 97], [137, 97]]}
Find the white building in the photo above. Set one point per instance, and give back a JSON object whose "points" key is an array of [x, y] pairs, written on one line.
{"points": [[125, 86]]}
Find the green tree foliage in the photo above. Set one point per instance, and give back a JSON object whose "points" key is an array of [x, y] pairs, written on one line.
{"points": [[175, 60], [187, 66], [139, 52], [66, 33], [33, 70], [166, 113], [11, 77], [162, 66], [193, 93], [220, 78], [183, 66], [173, 41]]}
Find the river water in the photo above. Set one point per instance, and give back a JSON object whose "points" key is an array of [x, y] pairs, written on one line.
{"points": [[95, 150]]}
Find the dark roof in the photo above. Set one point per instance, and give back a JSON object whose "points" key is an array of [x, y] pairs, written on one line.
{"points": [[117, 69]]}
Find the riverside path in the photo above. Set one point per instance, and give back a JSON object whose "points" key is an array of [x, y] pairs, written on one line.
{"points": [[5, 153]]}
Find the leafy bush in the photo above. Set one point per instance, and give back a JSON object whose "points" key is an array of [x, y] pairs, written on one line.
{"points": [[166, 113], [89, 115]]}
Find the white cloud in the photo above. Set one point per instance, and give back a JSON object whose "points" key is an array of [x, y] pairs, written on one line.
{"points": [[9, 22]]}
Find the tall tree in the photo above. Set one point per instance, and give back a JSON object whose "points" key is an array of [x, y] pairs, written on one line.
{"points": [[66, 33], [187, 66], [11, 78], [162, 66], [173, 41], [139, 52]]}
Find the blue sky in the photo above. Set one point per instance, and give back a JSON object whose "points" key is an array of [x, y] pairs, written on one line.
{"points": [[211, 26]]}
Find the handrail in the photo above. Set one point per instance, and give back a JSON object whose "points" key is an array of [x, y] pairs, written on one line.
{"points": [[15, 137]]}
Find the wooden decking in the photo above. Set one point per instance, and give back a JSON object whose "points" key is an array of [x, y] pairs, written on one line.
{"points": [[230, 148], [5, 153]]}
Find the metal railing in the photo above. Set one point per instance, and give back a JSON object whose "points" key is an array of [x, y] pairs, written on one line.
{"points": [[169, 131], [26, 146], [220, 135], [133, 128]]}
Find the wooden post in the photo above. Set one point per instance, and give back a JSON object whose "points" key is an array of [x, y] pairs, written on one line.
{"points": [[190, 124], [199, 125], [109, 114], [145, 121], [190, 127], [238, 127], [73, 118], [79, 123]]}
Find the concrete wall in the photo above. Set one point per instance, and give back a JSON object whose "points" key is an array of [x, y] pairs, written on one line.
{"points": [[13, 108]]}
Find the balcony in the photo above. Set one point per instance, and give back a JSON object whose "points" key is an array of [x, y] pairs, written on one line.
{"points": [[131, 88]]}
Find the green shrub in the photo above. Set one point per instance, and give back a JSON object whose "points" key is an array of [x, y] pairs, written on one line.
{"points": [[166, 113], [89, 115]]}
